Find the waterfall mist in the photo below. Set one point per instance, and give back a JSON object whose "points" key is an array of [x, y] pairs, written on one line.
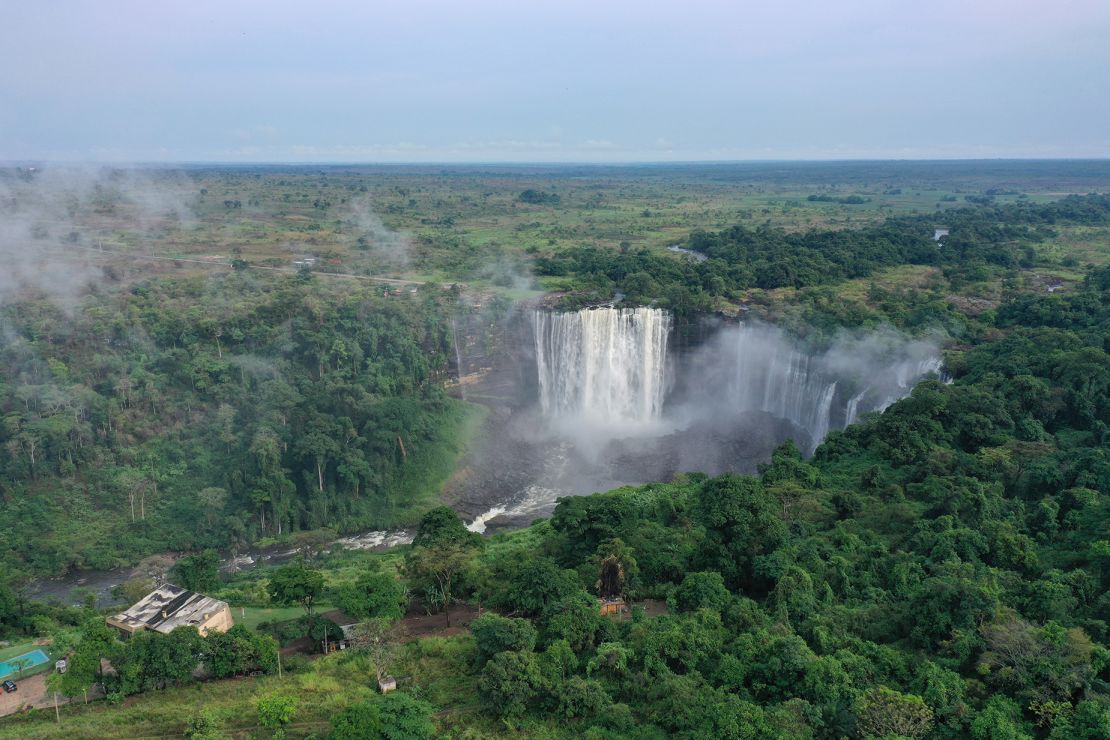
{"points": [[617, 402], [758, 367]]}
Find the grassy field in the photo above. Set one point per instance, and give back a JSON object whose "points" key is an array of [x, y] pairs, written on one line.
{"points": [[470, 224], [1080, 245], [252, 616], [321, 687]]}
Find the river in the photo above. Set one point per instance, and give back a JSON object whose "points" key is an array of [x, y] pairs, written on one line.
{"points": [[70, 588]]}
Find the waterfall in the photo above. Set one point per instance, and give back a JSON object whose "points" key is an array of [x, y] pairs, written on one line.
{"points": [[776, 377], [605, 369], [819, 391], [602, 365], [853, 407], [458, 359]]}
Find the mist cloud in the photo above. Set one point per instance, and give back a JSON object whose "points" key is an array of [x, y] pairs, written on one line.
{"points": [[55, 221], [391, 250]]}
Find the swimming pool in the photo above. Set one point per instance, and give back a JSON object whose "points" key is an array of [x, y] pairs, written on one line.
{"points": [[9, 668]]}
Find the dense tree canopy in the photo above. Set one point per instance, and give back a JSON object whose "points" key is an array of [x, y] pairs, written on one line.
{"points": [[189, 413], [937, 570]]}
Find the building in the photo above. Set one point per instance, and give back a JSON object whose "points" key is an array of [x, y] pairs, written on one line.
{"points": [[614, 605], [169, 607]]}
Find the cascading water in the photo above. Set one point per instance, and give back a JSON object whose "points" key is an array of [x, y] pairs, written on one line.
{"points": [[818, 391], [852, 412], [614, 409], [604, 365], [776, 378], [605, 369]]}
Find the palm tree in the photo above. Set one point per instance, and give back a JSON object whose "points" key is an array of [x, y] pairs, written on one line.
{"points": [[20, 664]]}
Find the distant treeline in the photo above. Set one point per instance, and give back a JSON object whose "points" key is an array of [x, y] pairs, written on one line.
{"points": [[850, 200], [742, 257], [538, 197]]}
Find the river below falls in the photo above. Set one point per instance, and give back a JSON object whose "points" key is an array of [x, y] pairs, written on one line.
{"points": [[514, 474], [72, 587]]}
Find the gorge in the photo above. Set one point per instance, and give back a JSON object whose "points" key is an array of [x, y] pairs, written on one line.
{"points": [[620, 398]]}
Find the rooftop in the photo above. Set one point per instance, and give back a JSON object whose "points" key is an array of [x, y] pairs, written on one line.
{"points": [[167, 608]]}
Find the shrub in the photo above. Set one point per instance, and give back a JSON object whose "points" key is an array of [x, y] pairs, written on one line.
{"points": [[373, 595], [405, 717], [509, 683], [494, 634], [702, 591], [276, 711]]}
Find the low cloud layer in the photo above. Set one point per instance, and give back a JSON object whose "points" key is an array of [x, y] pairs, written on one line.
{"points": [[390, 250]]}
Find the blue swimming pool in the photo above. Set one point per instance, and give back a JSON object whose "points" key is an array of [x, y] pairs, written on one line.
{"points": [[9, 668]]}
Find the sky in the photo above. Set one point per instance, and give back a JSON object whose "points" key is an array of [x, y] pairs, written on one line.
{"points": [[563, 81]]}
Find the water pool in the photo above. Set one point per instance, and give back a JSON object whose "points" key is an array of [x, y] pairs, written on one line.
{"points": [[10, 669]]}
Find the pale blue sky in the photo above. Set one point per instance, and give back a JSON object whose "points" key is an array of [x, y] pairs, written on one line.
{"points": [[485, 80]]}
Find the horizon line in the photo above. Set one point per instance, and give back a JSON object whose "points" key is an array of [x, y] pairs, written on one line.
{"points": [[531, 163]]}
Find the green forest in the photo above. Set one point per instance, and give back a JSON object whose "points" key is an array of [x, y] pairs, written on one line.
{"points": [[215, 412], [937, 570], [768, 257]]}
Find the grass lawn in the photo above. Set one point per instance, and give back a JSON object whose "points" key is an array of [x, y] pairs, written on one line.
{"points": [[252, 616], [17, 649]]}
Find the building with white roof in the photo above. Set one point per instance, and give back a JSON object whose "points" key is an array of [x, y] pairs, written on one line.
{"points": [[169, 607]]}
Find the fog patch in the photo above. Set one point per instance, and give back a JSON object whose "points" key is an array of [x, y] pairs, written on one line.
{"points": [[389, 250], [756, 367], [55, 220]]}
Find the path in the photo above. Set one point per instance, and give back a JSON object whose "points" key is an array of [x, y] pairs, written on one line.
{"points": [[33, 691], [228, 266]]}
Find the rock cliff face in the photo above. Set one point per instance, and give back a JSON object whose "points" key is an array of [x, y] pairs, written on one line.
{"points": [[589, 400]]}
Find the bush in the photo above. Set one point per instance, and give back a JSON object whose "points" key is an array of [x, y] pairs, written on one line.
{"points": [[574, 619], [203, 726], [405, 717], [239, 651], [373, 595], [356, 721], [580, 697], [494, 634], [702, 591], [276, 711], [509, 683]]}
